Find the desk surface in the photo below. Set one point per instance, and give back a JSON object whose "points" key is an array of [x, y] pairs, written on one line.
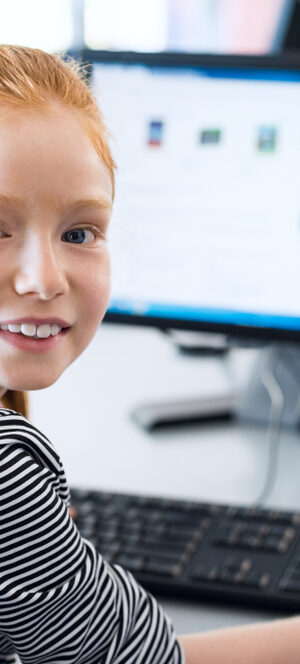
{"points": [[127, 366]]}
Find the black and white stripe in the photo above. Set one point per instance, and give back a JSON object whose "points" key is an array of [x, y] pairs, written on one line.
{"points": [[59, 600]]}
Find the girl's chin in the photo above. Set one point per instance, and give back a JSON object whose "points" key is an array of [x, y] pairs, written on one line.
{"points": [[32, 384]]}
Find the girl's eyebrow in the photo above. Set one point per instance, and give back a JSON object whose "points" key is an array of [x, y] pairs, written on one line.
{"points": [[14, 201], [101, 202]]}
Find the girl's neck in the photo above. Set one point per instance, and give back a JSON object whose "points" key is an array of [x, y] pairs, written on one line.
{"points": [[2, 392]]}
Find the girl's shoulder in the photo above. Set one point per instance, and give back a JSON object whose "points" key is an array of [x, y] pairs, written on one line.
{"points": [[6, 411], [18, 434], [17, 430]]}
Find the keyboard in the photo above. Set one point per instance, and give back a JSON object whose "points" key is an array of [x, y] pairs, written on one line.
{"points": [[196, 550]]}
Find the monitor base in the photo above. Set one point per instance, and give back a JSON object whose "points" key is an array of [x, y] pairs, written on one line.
{"points": [[153, 415], [252, 405]]}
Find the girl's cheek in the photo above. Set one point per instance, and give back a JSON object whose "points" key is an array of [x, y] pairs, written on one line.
{"points": [[97, 289]]}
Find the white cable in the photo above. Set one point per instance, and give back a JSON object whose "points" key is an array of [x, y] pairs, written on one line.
{"points": [[275, 419]]}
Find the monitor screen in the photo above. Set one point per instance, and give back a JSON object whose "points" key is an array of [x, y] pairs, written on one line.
{"points": [[205, 232]]}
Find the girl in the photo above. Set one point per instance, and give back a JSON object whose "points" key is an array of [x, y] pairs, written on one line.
{"points": [[59, 600]]}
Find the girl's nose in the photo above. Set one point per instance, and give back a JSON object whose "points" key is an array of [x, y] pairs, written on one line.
{"points": [[39, 270]]}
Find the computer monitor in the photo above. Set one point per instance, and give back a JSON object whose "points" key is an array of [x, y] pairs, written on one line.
{"points": [[205, 232], [287, 36], [287, 22]]}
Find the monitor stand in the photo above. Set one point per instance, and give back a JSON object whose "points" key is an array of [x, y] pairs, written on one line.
{"points": [[274, 381], [275, 376]]}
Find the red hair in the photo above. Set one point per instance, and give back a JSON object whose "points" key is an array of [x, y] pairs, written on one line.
{"points": [[31, 79]]}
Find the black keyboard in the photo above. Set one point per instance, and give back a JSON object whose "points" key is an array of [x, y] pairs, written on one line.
{"points": [[197, 550]]}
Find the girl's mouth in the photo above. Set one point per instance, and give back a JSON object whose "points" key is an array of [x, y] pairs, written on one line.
{"points": [[35, 344]]}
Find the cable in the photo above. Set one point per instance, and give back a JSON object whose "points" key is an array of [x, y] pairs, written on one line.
{"points": [[275, 420], [292, 356]]}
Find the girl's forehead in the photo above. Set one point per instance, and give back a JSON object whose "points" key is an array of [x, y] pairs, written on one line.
{"points": [[54, 127], [50, 118], [49, 150], [56, 131]]}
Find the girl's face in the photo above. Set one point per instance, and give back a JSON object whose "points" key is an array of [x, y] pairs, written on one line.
{"points": [[55, 204]]}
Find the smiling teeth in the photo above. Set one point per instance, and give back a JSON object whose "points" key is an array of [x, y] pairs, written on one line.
{"points": [[31, 330]]}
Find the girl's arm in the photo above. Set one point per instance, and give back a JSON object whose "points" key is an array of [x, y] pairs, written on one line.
{"points": [[59, 600], [276, 642], [7, 652]]}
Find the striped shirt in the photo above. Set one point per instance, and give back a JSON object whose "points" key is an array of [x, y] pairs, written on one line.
{"points": [[59, 600]]}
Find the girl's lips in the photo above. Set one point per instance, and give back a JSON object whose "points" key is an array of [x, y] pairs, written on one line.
{"points": [[36, 321], [22, 342]]}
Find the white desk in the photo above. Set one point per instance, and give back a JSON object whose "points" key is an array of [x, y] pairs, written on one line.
{"points": [[87, 416]]}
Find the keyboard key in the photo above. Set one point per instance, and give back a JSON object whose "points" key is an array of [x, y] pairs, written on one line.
{"points": [[154, 543], [205, 573], [133, 563], [222, 536], [143, 550], [109, 535], [291, 586], [294, 576], [250, 541], [104, 498], [108, 550], [290, 533], [280, 517], [227, 576], [272, 544], [231, 563], [246, 565], [162, 568], [257, 580], [87, 507], [172, 532], [103, 525]]}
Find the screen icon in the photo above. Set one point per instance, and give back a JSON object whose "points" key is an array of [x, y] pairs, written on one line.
{"points": [[155, 132], [267, 139], [210, 136]]}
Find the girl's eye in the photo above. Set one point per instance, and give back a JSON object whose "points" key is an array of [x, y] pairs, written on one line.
{"points": [[79, 235]]}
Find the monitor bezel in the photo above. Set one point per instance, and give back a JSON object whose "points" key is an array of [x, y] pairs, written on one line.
{"points": [[285, 61]]}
